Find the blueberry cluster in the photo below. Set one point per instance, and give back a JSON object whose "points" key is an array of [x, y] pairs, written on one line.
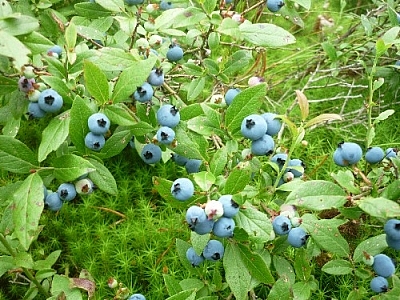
{"points": [[295, 167], [213, 251], [98, 124], [349, 153], [384, 268], [287, 223], [67, 192], [191, 165]]}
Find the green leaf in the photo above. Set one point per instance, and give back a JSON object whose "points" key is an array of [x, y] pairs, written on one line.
{"points": [[69, 167], [120, 114], [238, 178], [141, 129], [191, 283], [302, 290], [230, 28], [48, 262], [218, 161], [237, 62], [163, 187], [112, 5], [390, 36], [247, 102], [379, 207], [337, 267], [302, 265], [6, 264], [78, 126], [326, 235], [131, 78], [195, 88], [209, 6], [70, 36], [172, 285], [199, 241], [54, 135], [15, 156], [305, 3], [236, 274], [5, 11], [17, 24], [14, 49], [190, 144], [184, 295], [384, 115], [28, 206], [96, 82], [115, 144], [255, 265], [266, 35], [60, 86], [284, 269], [378, 83], [372, 246], [317, 195], [61, 285], [392, 191], [280, 290], [204, 180], [181, 248], [7, 85], [23, 260], [103, 178], [255, 223], [346, 180], [37, 43], [91, 10]]}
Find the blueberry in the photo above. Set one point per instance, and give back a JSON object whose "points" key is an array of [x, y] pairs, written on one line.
{"points": [[281, 225], [137, 297], [230, 95], [151, 153], [214, 250], [34, 111], [144, 93], [275, 5], [168, 115], [224, 227], [203, 227], [392, 243], [195, 214], [193, 165], [50, 101], [279, 159], [253, 127], [174, 53], [53, 202], [374, 155], [338, 158], [193, 258], [392, 229], [156, 77], [351, 152], [55, 51], [179, 159], [228, 1], [273, 124], [296, 163], [66, 191], [99, 123], [383, 265], [379, 284], [133, 2], [297, 237], [182, 189], [84, 186], [165, 135], [165, 5], [230, 207], [94, 142], [391, 152], [25, 85], [263, 146]]}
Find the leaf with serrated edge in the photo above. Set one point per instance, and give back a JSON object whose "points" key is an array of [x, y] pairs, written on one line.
{"points": [[346, 180], [15, 156], [96, 82], [204, 180], [103, 178], [337, 267], [218, 161], [69, 167], [78, 126], [28, 207], [238, 178], [380, 207], [199, 241]]}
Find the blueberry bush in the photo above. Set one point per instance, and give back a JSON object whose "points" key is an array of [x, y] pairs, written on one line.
{"points": [[267, 130]]}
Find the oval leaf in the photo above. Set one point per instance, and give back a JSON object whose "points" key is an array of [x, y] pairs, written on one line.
{"points": [[96, 82], [380, 207], [266, 35], [337, 267], [15, 156]]}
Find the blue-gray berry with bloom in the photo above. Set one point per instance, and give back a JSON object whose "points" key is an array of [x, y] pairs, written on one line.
{"points": [[99, 123], [179, 159], [379, 284], [66, 191], [94, 142], [297, 237], [374, 155], [391, 152], [34, 111], [231, 94], [53, 201], [194, 259], [281, 225], [168, 115], [383, 265], [263, 146], [165, 135], [182, 189], [50, 101], [230, 207], [274, 125], [156, 77], [134, 2], [392, 228], [275, 5], [137, 297], [203, 227], [214, 250], [174, 53], [350, 152], [151, 153], [144, 93], [193, 165], [224, 227], [165, 5], [194, 215], [253, 127]]}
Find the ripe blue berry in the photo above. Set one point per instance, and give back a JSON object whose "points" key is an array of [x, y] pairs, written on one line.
{"points": [[338, 158], [53, 202], [193, 258], [253, 127], [297, 237], [156, 77], [179, 159], [392, 243], [392, 229], [279, 159], [133, 2], [273, 125], [391, 152], [193, 165], [230, 95], [99, 123], [203, 227], [224, 227], [25, 85], [228, 1], [281, 225], [34, 111], [194, 215], [174, 53], [351, 152], [165, 135], [230, 207], [182, 189], [137, 297], [374, 155], [94, 142], [379, 284], [263, 146], [165, 5], [214, 250], [383, 265], [275, 5], [66, 191], [298, 172], [50, 101], [168, 115], [55, 51], [151, 153], [84, 186], [144, 93]]}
